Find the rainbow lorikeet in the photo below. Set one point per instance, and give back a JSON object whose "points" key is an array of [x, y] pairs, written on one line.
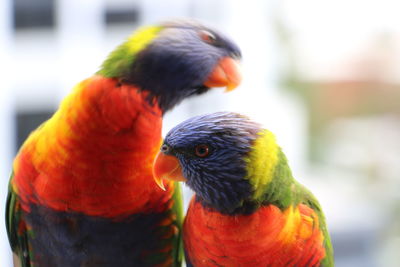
{"points": [[82, 191], [247, 209]]}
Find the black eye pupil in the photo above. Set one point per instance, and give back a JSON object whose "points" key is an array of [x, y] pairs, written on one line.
{"points": [[201, 151], [164, 148]]}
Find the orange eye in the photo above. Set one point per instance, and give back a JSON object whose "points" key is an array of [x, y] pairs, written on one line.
{"points": [[207, 37], [202, 151]]}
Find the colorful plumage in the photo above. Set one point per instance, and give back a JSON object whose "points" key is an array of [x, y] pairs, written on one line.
{"points": [[81, 192], [247, 210]]}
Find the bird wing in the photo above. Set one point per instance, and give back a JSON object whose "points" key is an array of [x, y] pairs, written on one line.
{"points": [[16, 229], [310, 200]]}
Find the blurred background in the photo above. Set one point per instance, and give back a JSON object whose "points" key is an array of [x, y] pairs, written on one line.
{"points": [[324, 75]]}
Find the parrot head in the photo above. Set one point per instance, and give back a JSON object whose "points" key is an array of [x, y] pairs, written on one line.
{"points": [[175, 60], [229, 161]]}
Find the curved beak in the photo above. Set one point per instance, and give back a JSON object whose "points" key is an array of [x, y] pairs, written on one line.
{"points": [[166, 167], [227, 74]]}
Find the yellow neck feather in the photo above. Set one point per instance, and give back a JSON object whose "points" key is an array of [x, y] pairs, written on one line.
{"points": [[141, 38], [261, 162]]}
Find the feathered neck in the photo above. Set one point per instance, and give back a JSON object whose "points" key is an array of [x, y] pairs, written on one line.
{"points": [[268, 172]]}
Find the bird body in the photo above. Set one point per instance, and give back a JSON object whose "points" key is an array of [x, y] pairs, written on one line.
{"points": [[81, 192], [267, 237], [248, 210], [82, 144], [79, 163]]}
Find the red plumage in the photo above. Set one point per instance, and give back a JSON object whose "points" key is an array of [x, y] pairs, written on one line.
{"points": [[268, 237], [100, 150]]}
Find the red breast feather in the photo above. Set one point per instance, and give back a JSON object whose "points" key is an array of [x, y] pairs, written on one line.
{"points": [[97, 148], [268, 237]]}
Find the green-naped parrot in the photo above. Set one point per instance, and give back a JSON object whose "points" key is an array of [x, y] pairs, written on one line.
{"points": [[247, 210], [82, 191]]}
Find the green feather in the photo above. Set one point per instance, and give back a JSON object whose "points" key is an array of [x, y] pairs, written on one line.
{"points": [[119, 60], [18, 240], [177, 209], [273, 183], [309, 199]]}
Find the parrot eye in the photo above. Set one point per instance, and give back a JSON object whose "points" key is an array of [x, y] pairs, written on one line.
{"points": [[165, 148], [207, 37], [201, 151]]}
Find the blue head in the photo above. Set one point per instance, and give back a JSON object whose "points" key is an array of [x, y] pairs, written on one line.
{"points": [[173, 61], [211, 151]]}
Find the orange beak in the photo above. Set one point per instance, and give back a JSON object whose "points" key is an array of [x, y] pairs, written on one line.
{"points": [[227, 74], [166, 167]]}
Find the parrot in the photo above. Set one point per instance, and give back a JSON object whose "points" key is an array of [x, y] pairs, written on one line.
{"points": [[81, 190], [247, 208]]}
